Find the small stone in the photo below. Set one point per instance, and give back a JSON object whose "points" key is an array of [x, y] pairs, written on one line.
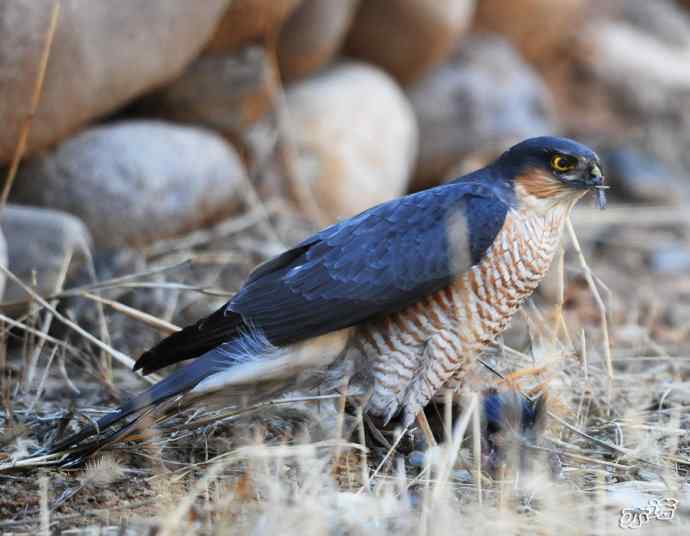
{"points": [[313, 35], [356, 137], [673, 259], [637, 176], [408, 37], [137, 181], [248, 21], [481, 101], [648, 476], [463, 476], [103, 54], [38, 242], [416, 458]]}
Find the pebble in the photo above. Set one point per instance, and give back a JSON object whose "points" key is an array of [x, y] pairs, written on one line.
{"points": [[671, 259], [416, 458]]}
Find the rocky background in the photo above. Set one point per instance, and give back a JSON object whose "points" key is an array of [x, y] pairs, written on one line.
{"points": [[223, 131], [228, 130], [157, 118]]}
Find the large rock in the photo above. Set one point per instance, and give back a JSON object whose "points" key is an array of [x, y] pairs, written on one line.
{"points": [[227, 92], [543, 31], [408, 37], [103, 54], [313, 35], [660, 36], [38, 242], [482, 100], [356, 135], [247, 21], [641, 60], [135, 182], [637, 176]]}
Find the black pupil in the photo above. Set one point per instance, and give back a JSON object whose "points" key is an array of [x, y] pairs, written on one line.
{"points": [[563, 162]]}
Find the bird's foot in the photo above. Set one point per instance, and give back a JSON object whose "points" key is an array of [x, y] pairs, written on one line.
{"points": [[511, 380], [424, 426]]}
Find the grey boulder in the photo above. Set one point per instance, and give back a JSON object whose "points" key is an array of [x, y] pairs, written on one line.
{"points": [[138, 181]]}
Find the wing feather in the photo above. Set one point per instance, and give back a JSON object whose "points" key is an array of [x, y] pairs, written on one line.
{"points": [[372, 264], [375, 263]]}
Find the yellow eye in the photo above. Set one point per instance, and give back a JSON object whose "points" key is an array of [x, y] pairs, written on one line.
{"points": [[563, 163]]}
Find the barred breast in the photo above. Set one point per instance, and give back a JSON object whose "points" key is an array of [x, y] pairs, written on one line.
{"points": [[416, 351]]}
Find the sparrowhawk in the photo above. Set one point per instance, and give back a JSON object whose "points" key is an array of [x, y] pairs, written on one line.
{"points": [[405, 294]]}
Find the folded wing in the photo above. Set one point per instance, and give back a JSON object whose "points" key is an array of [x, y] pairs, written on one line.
{"points": [[372, 264]]}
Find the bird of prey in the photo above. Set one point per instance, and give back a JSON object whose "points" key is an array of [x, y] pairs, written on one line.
{"points": [[402, 297]]}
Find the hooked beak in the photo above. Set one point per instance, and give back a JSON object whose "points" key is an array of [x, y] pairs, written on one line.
{"points": [[596, 183]]}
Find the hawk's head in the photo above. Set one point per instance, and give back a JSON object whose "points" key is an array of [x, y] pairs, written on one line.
{"points": [[554, 170]]}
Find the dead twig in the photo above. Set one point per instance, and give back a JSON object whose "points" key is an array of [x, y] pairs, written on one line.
{"points": [[164, 327], [19, 325], [287, 147], [103, 285], [35, 99], [119, 356], [222, 230], [597, 297], [453, 450], [47, 321]]}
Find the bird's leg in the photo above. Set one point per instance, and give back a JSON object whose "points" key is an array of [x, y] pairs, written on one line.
{"points": [[423, 424], [441, 362]]}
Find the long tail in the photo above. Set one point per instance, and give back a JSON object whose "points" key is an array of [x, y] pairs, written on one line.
{"points": [[245, 360], [248, 368]]}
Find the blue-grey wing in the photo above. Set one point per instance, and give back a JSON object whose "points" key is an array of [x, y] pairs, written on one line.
{"points": [[375, 263]]}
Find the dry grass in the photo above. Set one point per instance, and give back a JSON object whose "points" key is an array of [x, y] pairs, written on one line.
{"points": [[615, 439], [616, 366]]}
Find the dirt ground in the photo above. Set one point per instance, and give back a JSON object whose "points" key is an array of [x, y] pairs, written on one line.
{"points": [[616, 436]]}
